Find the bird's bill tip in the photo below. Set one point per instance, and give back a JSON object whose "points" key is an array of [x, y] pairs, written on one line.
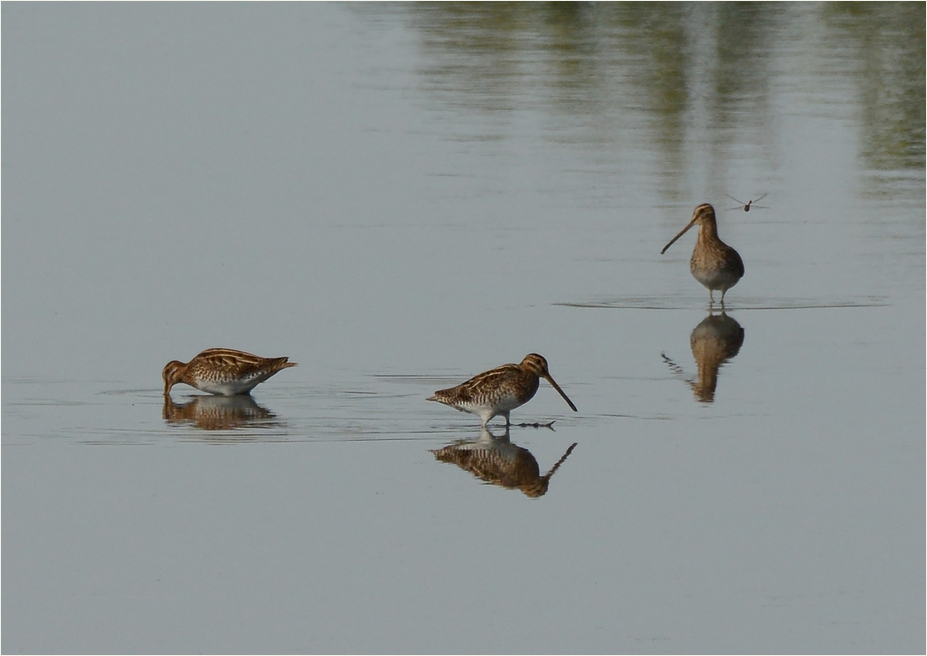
{"points": [[681, 233], [561, 392]]}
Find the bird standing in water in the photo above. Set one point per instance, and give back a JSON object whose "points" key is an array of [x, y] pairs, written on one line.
{"points": [[500, 390], [225, 372], [714, 264]]}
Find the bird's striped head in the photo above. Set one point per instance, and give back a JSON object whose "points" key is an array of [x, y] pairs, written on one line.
{"points": [[537, 365], [702, 213], [172, 373]]}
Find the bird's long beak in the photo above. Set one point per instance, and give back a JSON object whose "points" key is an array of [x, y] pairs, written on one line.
{"points": [[681, 233], [557, 387]]}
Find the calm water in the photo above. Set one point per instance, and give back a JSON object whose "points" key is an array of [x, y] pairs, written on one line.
{"points": [[399, 197]]}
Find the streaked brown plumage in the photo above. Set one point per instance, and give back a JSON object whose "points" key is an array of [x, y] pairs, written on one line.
{"points": [[714, 264], [500, 390], [224, 372], [499, 462]]}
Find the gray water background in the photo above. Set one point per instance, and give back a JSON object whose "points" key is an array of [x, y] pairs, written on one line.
{"points": [[399, 197]]}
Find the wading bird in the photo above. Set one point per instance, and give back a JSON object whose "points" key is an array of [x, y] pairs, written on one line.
{"points": [[500, 390], [225, 372], [714, 264]]}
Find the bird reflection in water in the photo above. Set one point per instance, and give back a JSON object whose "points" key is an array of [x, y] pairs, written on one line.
{"points": [[714, 341], [494, 459], [218, 412]]}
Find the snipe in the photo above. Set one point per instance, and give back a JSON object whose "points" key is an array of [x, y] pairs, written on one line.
{"points": [[500, 390], [225, 372], [714, 264]]}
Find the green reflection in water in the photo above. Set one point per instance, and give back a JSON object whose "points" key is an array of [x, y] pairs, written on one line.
{"points": [[678, 73], [886, 42]]}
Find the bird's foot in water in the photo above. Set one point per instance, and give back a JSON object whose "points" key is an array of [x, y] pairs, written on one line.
{"points": [[549, 425]]}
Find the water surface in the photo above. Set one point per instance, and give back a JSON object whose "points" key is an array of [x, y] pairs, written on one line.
{"points": [[398, 197]]}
